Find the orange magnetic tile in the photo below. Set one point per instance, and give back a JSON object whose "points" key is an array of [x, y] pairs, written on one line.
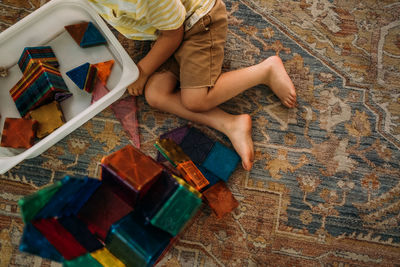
{"points": [[104, 70], [18, 133], [220, 199], [133, 166], [192, 174]]}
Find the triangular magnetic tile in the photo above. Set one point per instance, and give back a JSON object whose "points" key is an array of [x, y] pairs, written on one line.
{"points": [[78, 75], [104, 70], [92, 37], [77, 31]]}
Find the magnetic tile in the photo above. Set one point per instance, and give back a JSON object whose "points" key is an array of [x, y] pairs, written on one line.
{"points": [[80, 197], [220, 199], [157, 196], [81, 233], [91, 79], [221, 161], [78, 74], [34, 242], [119, 186], [99, 91], [192, 174], [126, 112], [68, 191], [136, 243], [77, 31], [106, 258], [38, 87], [60, 238], [171, 151], [104, 70], [190, 188], [176, 135], [49, 118], [19, 133], [196, 145], [212, 178], [135, 167], [30, 205], [92, 37], [177, 211], [102, 209], [84, 76], [32, 55], [84, 260]]}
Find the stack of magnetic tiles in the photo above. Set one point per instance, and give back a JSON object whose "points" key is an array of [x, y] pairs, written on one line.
{"points": [[37, 96], [38, 93], [128, 218], [204, 163], [135, 212]]}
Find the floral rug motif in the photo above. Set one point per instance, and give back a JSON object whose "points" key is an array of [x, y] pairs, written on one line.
{"points": [[325, 187]]}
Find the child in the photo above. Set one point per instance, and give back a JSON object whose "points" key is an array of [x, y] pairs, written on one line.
{"points": [[189, 48]]}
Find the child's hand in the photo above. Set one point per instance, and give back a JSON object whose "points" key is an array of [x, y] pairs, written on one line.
{"points": [[137, 87]]}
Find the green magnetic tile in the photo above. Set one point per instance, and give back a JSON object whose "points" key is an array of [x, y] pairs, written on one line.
{"points": [[83, 261], [135, 242], [176, 211], [30, 205]]}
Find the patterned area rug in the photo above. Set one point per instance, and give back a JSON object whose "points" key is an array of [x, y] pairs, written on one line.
{"points": [[325, 187]]}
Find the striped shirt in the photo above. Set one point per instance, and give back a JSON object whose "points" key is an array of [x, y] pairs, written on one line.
{"points": [[143, 19]]}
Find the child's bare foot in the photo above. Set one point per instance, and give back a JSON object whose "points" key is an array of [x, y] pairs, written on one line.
{"points": [[239, 133], [279, 81]]}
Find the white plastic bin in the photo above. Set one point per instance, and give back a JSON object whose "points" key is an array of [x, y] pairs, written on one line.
{"points": [[45, 26]]}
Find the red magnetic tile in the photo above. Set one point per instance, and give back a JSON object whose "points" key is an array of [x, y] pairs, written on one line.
{"points": [[102, 210], [60, 238]]}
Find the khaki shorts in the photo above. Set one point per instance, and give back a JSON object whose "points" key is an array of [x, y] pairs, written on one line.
{"points": [[198, 61]]}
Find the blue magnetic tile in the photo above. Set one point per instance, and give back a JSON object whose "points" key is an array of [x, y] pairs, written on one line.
{"points": [[77, 200], [68, 193], [34, 242], [157, 195], [44, 53], [136, 243], [196, 145], [81, 233], [221, 161], [212, 178], [78, 75], [92, 37]]}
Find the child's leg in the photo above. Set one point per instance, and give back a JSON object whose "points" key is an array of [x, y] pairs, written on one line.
{"points": [[159, 93], [270, 72]]}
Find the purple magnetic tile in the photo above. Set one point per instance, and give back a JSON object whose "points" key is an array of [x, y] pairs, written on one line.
{"points": [[62, 96], [176, 135]]}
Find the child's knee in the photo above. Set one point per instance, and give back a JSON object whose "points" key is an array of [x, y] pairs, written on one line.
{"points": [[152, 97], [198, 105], [195, 100]]}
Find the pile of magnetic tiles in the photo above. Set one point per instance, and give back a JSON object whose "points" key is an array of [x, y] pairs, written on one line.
{"points": [[135, 212]]}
